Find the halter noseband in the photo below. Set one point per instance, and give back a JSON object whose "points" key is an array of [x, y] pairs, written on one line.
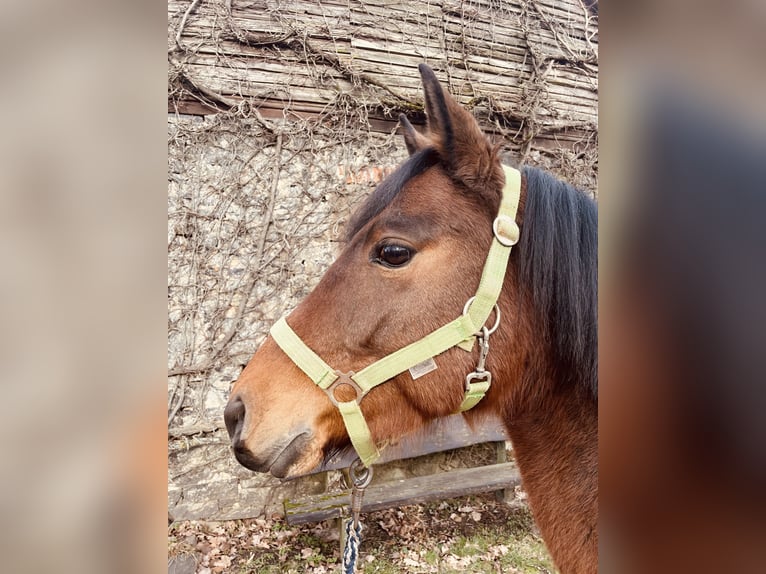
{"points": [[461, 332]]}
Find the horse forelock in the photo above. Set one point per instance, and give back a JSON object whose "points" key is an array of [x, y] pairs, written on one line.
{"points": [[389, 188], [558, 253]]}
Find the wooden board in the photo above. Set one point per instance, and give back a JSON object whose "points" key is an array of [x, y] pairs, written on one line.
{"points": [[461, 482], [439, 435], [294, 56]]}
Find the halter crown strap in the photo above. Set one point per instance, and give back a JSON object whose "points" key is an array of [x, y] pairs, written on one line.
{"points": [[460, 332]]}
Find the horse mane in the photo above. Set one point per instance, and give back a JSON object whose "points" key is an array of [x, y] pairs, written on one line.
{"points": [[558, 260], [558, 267]]}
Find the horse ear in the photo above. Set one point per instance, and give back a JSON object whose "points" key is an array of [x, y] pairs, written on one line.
{"points": [[465, 150], [414, 140]]}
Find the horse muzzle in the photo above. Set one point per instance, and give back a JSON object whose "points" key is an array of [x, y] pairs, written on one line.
{"points": [[276, 458]]}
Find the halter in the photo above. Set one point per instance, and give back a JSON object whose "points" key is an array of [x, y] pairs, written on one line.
{"points": [[460, 332]]}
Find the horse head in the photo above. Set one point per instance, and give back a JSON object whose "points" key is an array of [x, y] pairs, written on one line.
{"points": [[414, 254]]}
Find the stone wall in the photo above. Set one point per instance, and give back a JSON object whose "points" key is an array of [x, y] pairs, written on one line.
{"points": [[255, 214]]}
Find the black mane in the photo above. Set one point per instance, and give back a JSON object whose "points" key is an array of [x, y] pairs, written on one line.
{"points": [[558, 260], [558, 252]]}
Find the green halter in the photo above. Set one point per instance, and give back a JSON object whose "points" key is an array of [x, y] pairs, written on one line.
{"points": [[459, 333]]}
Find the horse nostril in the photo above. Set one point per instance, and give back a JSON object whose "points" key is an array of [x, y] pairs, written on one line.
{"points": [[234, 417]]}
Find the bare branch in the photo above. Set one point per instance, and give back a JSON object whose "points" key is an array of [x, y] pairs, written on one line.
{"points": [[192, 7]]}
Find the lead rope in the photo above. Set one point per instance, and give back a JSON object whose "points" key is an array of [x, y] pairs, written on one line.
{"points": [[360, 478]]}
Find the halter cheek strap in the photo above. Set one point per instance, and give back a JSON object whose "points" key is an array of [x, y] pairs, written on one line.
{"points": [[461, 332]]}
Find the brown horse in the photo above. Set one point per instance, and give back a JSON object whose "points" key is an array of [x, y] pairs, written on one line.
{"points": [[413, 257]]}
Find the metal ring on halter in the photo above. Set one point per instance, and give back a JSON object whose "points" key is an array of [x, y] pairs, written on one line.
{"points": [[497, 314], [344, 379], [360, 475]]}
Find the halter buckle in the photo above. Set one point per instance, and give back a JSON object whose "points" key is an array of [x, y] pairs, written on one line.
{"points": [[344, 379], [506, 230]]}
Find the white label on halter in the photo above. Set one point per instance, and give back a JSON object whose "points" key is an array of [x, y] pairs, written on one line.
{"points": [[423, 368]]}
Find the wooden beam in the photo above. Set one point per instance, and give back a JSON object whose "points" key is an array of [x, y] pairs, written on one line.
{"points": [[461, 482], [439, 435], [273, 109]]}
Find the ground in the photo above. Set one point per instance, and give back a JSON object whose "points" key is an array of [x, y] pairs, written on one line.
{"points": [[470, 534]]}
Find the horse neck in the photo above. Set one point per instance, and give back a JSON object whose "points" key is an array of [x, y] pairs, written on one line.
{"points": [[555, 442]]}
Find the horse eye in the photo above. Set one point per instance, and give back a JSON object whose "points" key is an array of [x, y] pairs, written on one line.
{"points": [[394, 255]]}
